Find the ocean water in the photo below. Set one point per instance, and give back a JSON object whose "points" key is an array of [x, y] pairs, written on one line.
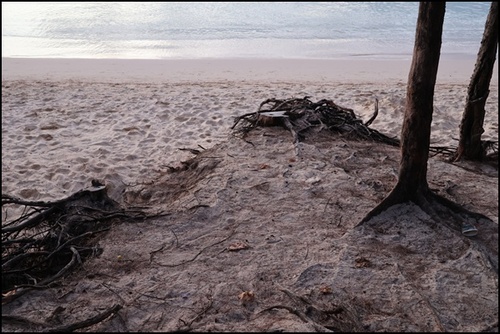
{"points": [[157, 30]]}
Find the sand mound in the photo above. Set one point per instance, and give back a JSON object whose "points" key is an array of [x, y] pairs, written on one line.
{"points": [[255, 235], [260, 236]]}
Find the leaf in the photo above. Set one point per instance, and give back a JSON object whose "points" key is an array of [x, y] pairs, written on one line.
{"points": [[326, 290], [246, 296], [238, 245]]}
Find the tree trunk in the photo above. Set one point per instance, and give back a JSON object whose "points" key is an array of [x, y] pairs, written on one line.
{"points": [[415, 134], [471, 126]]}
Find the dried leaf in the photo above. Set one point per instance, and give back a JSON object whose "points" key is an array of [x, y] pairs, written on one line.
{"points": [[238, 245], [362, 262], [326, 290], [246, 296]]}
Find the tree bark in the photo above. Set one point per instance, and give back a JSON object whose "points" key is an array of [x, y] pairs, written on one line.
{"points": [[471, 126], [415, 134]]}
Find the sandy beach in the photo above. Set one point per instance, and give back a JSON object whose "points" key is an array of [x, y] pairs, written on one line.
{"points": [[124, 122], [65, 121]]}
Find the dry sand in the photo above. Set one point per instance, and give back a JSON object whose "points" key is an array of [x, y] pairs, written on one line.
{"points": [[65, 122]]}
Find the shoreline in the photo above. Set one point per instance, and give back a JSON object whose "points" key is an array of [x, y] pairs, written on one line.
{"points": [[351, 70]]}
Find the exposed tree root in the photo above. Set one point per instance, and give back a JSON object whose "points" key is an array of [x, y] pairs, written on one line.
{"points": [[301, 115], [451, 214], [45, 327], [44, 241], [88, 322], [187, 325], [324, 317], [431, 203]]}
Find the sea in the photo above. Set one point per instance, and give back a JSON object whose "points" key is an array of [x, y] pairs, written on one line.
{"points": [[182, 30]]}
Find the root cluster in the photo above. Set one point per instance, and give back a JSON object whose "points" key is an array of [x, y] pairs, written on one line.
{"points": [[43, 241], [301, 115]]}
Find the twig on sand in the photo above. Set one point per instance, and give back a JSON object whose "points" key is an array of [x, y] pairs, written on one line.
{"points": [[25, 322], [333, 317], [64, 328], [187, 324], [318, 327], [199, 253], [89, 322], [290, 309]]}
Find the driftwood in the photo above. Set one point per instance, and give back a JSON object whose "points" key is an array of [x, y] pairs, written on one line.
{"points": [[47, 240]]}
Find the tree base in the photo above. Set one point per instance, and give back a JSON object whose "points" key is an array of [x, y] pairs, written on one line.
{"points": [[452, 215], [438, 207]]}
